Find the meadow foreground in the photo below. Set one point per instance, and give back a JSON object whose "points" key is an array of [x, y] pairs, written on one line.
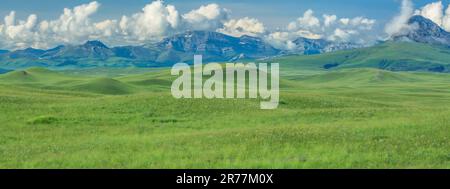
{"points": [[367, 119]]}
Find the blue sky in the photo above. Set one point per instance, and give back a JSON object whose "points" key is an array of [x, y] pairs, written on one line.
{"points": [[44, 24], [274, 13]]}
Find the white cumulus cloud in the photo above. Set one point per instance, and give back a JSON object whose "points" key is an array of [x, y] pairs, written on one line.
{"points": [[329, 20], [307, 21], [281, 40], [73, 26], [154, 21], [342, 34], [158, 19], [399, 24], [436, 13], [433, 11], [244, 26], [328, 27], [446, 19], [209, 17]]}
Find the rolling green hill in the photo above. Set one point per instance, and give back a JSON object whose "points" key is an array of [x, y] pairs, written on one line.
{"points": [[103, 86], [33, 75], [161, 80], [394, 56], [45, 79], [369, 76]]}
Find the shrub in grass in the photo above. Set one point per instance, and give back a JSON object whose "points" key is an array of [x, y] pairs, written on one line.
{"points": [[165, 120], [43, 120]]}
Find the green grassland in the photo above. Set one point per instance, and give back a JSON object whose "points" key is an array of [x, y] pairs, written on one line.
{"points": [[344, 118], [394, 56]]}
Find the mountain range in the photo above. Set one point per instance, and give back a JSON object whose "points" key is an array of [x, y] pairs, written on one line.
{"points": [[425, 48], [317, 46], [425, 31], [214, 46]]}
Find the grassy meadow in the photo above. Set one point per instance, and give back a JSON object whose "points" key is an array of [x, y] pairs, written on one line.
{"points": [[347, 118]]}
